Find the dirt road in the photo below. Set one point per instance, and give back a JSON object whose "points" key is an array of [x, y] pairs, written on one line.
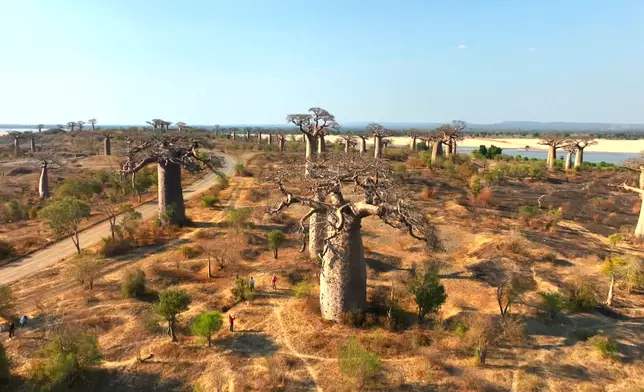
{"points": [[12, 272]]}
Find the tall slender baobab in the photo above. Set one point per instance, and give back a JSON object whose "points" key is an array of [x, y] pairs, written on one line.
{"points": [[456, 134], [343, 279], [71, 125], [107, 144], [413, 136], [43, 182], [247, 131], [435, 139], [570, 149], [80, 124], [553, 142], [171, 154], [92, 122], [348, 142], [581, 144], [40, 127], [378, 132], [233, 133], [32, 140], [321, 144], [281, 141], [363, 143], [216, 129], [311, 125], [259, 135]]}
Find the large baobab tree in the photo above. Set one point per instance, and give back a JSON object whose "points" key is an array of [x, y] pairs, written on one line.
{"points": [[348, 142], [233, 133], [107, 144], [456, 134], [92, 122], [637, 164], [413, 136], [32, 143], [343, 279], [435, 139], [378, 132], [156, 124], [43, 182], [71, 125], [171, 154], [312, 125], [570, 149], [216, 129], [363, 143], [281, 142], [581, 144], [80, 124], [181, 126], [553, 142], [259, 135]]}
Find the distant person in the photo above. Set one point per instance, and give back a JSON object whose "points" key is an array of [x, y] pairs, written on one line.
{"points": [[252, 284], [231, 321], [274, 282], [23, 320], [12, 330]]}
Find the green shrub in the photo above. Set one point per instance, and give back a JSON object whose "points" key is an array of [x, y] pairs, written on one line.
{"points": [[6, 250], [209, 201], [133, 284], [150, 321], [79, 188], [241, 290], [552, 303], [303, 289], [13, 211], [357, 362], [64, 358], [606, 345], [205, 324], [239, 217], [240, 170], [275, 240], [428, 292], [399, 167], [189, 252], [114, 247], [172, 302], [582, 296]]}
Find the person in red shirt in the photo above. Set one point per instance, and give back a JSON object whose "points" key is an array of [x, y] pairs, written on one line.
{"points": [[274, 282], [231, 321]]}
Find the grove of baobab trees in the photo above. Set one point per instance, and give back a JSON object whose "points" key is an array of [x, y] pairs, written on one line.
{"points": [[170, 154], [343, 278]]}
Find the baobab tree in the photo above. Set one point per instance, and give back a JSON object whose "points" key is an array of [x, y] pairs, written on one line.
{"points": [[581, 144], [553, 142], [637, 164], [233, 133], [378, 132], [92, 122], [16, 142], [385, 144], [570, 149], [71, 125], [171, 154], [281, 141], [107, 144], [216, 129], [312, 125], [181, 126], [43, 182], [343, 280], [40, 127], [435, 139], [413, 135], [456, 134], [363, 143], [32, 142], [80, 124], [348, 142], [259, 135]]}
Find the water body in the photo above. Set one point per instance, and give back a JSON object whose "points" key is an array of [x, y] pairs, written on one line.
{"points": [[589, 156]]}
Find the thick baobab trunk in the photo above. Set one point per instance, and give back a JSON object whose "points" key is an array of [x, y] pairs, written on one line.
{"points": [[259, 137], [435, 151], [310, 144], [317, 232], [568, 161], [171, 206], [363, 146], [454, 147], [321, 145], [234, 135], [609, 300], [377, 147], [16, 146], [33, 145], [579, 158], [270, 139], [280, 142], [107, 146], [43, 184], [552, 156], [247, 135], [346, 146], [343, 281], [449, 149], [412, 146]]}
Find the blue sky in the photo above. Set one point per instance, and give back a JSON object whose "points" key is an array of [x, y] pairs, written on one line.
{"points": [[244, 62]]}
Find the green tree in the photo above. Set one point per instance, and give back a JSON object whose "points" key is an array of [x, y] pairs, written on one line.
{"points": [[172, 302], [64, 216], [133, 284], [627, 271], [428, 292], [79, 188], [205, 324], [85, 269], [130, 221], [358, 362], [275, 240], [241, 290]]}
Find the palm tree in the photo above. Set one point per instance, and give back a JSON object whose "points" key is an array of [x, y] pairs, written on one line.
{"points": [[92, 121]]}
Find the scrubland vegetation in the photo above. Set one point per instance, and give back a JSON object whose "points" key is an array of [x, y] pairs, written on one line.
{"points": [[488, 273]]}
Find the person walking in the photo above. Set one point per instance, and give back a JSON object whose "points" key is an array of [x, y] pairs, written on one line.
{"points": [[274, 282], [23, 320], [12, 330], [231, 321], [252, 284]]}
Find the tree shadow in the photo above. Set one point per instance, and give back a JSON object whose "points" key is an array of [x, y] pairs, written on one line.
{"points": [[248, 344]]}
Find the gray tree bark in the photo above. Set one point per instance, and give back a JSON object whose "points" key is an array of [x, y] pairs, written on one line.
{"points": [[310, 143], [16, 146], [171, 206], [270, 139], [317, 232], [579, 157], [412, 147], [280, 142], [321, 145], [435, 151], [377, 144], [552, 156], [43, 183], [33, 145], [609, 300], [346, 146], [568, 163], [234, 135], [343, 281], [363, 146], [107, 146]]}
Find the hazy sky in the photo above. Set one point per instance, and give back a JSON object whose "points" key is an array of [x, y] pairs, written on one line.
{"points": [[243, 62]]}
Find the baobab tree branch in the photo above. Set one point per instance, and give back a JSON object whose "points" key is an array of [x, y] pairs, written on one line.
{"points": [[630, 188]]}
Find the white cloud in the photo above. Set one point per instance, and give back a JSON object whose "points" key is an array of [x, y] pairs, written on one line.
{"points": [[532, 49], [461, 46]]}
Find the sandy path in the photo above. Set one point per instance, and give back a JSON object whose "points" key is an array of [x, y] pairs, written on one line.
{"points": [[51, 255]]}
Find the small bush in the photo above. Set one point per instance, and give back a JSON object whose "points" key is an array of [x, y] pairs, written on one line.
{"points": [[189, 252], [240, 170], [241, 290], [427, 193], [303, 290], [485, 197], [399, 167], [114, 247], [357, 362], [550, 257], [582, 296], [209, 201], [530, 383], [527, 213], [552, 303], [6, 250], [133, 284], [606, 345], [354, 318], [150, 321], [428, 292]]}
